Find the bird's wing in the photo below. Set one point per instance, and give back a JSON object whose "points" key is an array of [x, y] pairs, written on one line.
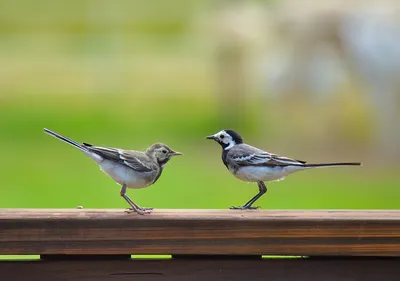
{"points": [[244, 155], [133, 159]]}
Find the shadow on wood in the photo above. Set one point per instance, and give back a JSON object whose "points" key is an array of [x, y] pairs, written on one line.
{"points": [[336, 269]]}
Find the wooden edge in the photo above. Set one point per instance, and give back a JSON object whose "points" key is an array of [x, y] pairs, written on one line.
{"points": [[193, 214]]}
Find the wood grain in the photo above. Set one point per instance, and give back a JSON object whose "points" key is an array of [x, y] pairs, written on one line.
{"points": [[337, 269], [200, 232]]}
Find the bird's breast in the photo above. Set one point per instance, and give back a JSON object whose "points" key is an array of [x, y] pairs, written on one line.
{"points": [[127, 176]]}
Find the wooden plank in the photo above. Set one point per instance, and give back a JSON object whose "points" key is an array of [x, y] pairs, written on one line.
{"points": [[336, 269], [207, 232]]}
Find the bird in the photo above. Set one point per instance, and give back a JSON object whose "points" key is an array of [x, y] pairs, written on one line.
{"points": [[129, 168], [252, 164]]}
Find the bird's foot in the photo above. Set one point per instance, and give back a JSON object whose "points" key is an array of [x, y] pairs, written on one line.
{"points": [[140, 211], [244, 207]]}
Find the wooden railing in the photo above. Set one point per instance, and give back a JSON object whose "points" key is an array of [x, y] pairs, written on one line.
{"points": [[83, 244]]}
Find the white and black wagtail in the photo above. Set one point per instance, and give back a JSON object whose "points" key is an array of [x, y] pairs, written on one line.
{"points": [[129, 168], [251, 164]]}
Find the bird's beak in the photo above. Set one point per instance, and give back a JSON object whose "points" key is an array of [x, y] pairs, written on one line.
{"points": [[212, 137], [175, 153]]}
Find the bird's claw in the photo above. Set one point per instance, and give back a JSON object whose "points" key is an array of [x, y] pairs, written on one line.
{"points": [[244, 207], [143, 211], [140, 211]]}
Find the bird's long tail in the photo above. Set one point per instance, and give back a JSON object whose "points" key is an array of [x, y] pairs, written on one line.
{"points": [[67, 140], [332, 164]]}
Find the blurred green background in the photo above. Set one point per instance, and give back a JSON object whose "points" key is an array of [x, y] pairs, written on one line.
{"points": [[130, 73]]}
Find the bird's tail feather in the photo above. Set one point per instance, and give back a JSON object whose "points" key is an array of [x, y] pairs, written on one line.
{"points": [[65, 139], [332, 164]]}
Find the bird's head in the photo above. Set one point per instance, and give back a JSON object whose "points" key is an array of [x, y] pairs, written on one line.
{"points": [[162, 153], [226, 138]]}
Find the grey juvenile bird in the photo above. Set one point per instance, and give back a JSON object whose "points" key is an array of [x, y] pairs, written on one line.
{"points": [[251, 164], [129, 168]]}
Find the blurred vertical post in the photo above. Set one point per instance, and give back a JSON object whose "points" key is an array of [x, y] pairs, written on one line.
{"points": [[230, 60], [231, 83]]}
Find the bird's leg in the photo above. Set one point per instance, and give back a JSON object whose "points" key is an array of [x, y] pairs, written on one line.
{"points": [[134, 207], [137, 206], [262, 189]]}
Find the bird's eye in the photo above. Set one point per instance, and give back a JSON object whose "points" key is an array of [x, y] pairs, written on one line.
{"points": [[164, 151], [221, 136]]}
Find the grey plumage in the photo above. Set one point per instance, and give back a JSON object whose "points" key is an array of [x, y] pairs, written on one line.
{"points": [[244, 154], [252, 164], [129, 168]]}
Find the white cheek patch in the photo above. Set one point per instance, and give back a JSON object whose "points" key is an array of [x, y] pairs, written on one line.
{"points": [[227, 139], [231, 144]]}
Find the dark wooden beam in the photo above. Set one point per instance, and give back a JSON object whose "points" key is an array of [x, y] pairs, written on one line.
{"points": [[200, 232], [335, 269]]}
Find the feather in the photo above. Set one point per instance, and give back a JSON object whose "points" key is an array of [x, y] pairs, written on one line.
{"points": [[246, 155], [133, 159]]}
